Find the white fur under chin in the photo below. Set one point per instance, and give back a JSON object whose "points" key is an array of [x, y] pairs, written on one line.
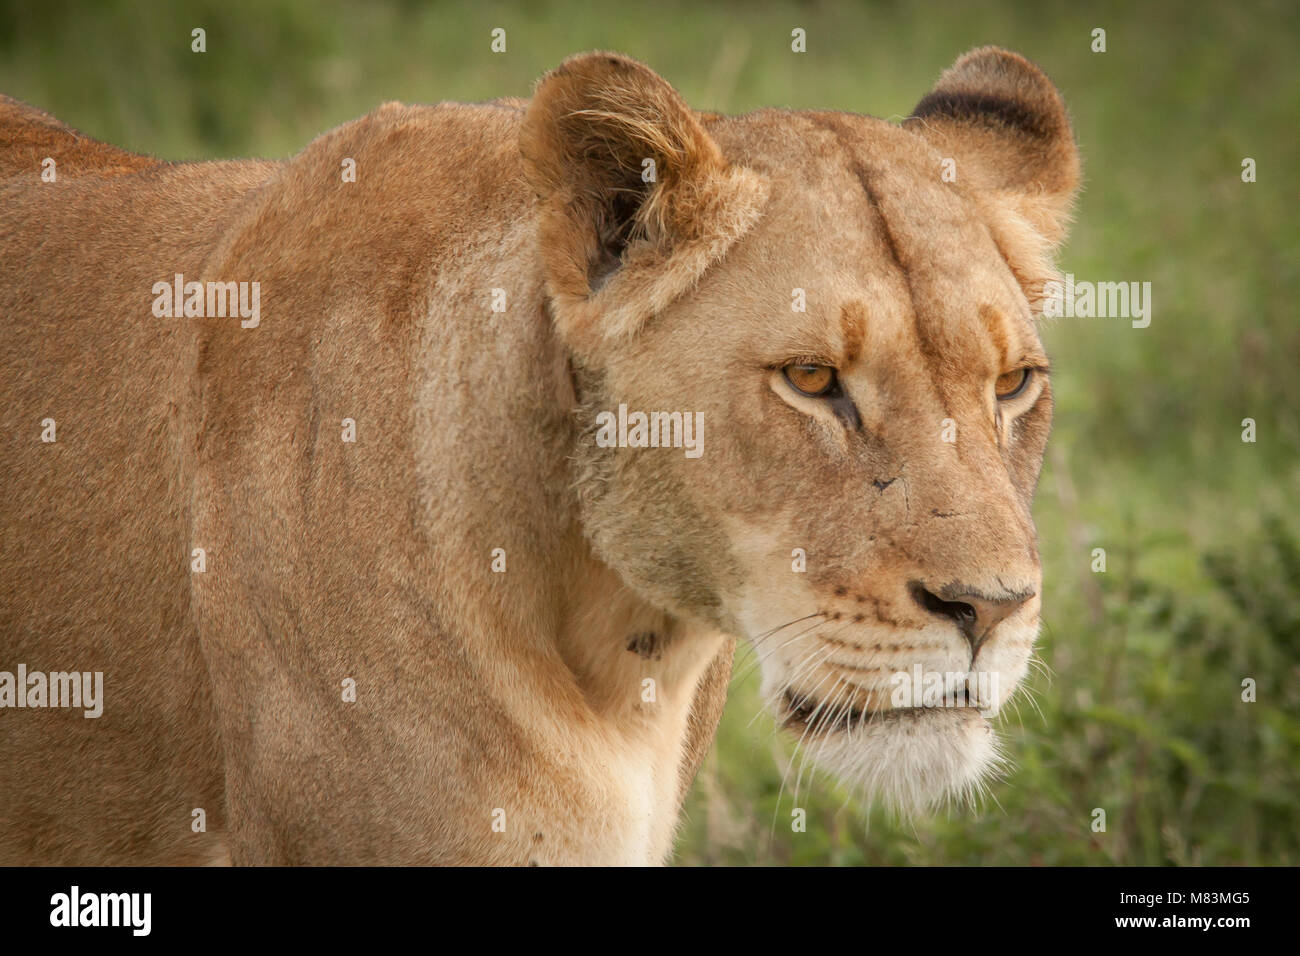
{"points": [[912, 762]]}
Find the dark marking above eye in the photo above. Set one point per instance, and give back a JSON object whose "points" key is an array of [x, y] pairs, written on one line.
{"points": [[853, 327], [881, 483]]}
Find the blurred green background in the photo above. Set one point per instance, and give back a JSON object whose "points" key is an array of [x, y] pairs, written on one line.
{"points": [[1136, 707]]}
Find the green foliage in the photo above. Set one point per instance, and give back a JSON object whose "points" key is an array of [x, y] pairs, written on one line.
{"points": [[1138, 706]]}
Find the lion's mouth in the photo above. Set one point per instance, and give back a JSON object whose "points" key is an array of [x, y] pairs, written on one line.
{"points": [[804, 714]]}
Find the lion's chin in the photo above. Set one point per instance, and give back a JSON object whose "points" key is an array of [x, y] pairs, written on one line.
{"points": [[911, 760]]}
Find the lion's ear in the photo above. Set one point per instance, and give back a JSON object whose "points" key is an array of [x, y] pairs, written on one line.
{"points": [[1002, 120], [636, 199]]}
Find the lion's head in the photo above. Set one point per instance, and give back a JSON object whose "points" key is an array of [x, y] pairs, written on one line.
{"points": [[849, 306]]}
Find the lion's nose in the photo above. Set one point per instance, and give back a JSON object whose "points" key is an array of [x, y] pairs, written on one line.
{"points": [[974, 612]]}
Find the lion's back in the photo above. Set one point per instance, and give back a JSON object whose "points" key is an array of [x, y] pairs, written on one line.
{"points": [[94, 568], [98, 525]]}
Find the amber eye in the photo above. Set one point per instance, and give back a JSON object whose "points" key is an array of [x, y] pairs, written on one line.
{"points": [[1010, 384], [811, 380]]}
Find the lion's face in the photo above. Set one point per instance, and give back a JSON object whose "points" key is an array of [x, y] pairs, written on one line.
{"points": [[871, 403]]}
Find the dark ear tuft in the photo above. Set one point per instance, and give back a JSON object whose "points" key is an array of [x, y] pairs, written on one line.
{"points": [[1002, 119], [986, 109]]}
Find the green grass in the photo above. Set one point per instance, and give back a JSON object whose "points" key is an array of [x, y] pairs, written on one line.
{"points": [[1142, 713]]}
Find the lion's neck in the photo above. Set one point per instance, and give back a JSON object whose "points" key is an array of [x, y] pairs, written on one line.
{"points": [[640, 672], [628, 657], [589, 681]]}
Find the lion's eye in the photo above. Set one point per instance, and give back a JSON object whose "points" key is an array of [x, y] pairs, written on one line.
{"points": [[811, 380], [1010, 384]]}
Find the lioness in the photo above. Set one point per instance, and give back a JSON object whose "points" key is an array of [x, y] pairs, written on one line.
{"points": [[391, 555]]}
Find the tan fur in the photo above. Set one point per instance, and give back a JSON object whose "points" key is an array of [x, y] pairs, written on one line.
{"points": [[519, 693]]}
